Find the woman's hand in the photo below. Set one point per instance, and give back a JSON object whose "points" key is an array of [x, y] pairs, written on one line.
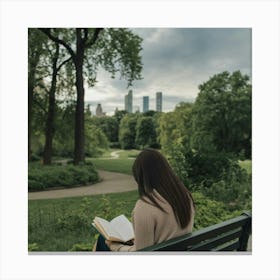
{"points": [[114, 246]]}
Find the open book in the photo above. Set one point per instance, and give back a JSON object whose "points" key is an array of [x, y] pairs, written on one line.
{"points": [[120, 229]]}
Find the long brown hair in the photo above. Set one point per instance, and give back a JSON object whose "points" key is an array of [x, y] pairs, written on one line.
{"points": [[152, 171]]}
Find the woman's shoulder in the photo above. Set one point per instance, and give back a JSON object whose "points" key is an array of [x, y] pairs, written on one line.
{"points": [[146, 203]]}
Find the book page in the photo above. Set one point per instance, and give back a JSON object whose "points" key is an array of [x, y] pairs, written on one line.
{"points": [[107, 228], [124, 227]]}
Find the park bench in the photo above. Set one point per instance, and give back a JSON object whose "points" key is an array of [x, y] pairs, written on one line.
{"points": [[230, 235]]}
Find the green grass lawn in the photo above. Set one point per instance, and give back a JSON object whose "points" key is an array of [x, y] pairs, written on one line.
{"points": [[122, 153], [58, 224], [65, 224], [123, 164]]}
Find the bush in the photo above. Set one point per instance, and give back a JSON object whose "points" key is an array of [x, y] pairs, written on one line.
{"points": [[42, 177], [210, 212], [35, 157], [214, 174]]}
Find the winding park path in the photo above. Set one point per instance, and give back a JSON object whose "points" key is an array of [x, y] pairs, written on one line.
{"points": [[112, 182]]}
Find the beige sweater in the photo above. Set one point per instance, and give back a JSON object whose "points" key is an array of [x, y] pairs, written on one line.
{"points": [[152, 226]]}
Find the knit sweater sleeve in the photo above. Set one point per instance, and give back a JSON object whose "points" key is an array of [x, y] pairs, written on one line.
{"points": [[144, 224]]}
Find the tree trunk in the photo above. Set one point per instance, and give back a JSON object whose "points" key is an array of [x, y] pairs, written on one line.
{"points": [[30, 103], [47, 157], [79, 151]]}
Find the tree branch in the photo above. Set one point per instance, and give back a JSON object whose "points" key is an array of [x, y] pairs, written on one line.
{"points": [[94, 37], [39, 105], [64, 62], [85, 38], [57, 40]]}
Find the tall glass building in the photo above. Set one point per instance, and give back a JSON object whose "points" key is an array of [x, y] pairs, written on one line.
{"points": [[159, 101], [145, 104], [128, 102]]}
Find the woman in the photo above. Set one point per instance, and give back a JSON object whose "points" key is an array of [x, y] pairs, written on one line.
{"points": [[165, 209]]}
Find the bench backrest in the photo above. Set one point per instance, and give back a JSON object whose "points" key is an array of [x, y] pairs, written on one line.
{"points": [[231, 235]]}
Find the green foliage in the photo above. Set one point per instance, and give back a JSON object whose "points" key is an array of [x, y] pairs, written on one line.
{"points": [[117, 51], [109, 126], [63, 143], [127, 131], [215, 175], [119, 114], [65, 224], [145, 132], [42, 177], [175, 127], [33, 247], [247, 165], [114, 145], [81, 247], [222, 115], [203, 141], [95, 139], [210, 212]]}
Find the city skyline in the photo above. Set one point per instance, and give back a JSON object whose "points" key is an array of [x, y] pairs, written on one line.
{"points": [[176, 61], [128, 105]]}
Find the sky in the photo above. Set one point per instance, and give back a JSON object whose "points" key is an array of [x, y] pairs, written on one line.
{"points": [[175, 61]]}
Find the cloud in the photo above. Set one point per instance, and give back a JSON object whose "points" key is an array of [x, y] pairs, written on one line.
{"points": [[175, 62]]}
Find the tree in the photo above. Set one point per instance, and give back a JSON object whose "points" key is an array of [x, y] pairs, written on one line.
{"points": [[109, 126], [127, 131], [64, 128], [222, 118], [146, 132], [119, 114], [95, 138], [56, 65], [35, 51], [175, 127], [116, 50]]}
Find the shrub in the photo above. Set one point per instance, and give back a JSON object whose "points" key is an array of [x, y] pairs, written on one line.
{"points": [[35, 157], [210, 212], [42, 177], [214, 174]]}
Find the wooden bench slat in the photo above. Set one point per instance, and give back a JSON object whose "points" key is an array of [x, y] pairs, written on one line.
{"points": [[232, 247], [184, 243], [207, 238], [221, 239]]}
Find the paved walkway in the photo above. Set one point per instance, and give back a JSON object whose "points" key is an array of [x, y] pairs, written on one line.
{"points": [[111, 183]]}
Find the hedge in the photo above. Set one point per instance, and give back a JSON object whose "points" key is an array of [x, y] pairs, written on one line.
{"points": [[42, 177]]}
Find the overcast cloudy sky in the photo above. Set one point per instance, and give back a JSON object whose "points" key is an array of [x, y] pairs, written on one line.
{"points": [[175, 62]]}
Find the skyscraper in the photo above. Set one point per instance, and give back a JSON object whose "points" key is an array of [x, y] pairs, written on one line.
{"points": [[128, 102], [145, 104], [159, 101], [99, 112]]}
